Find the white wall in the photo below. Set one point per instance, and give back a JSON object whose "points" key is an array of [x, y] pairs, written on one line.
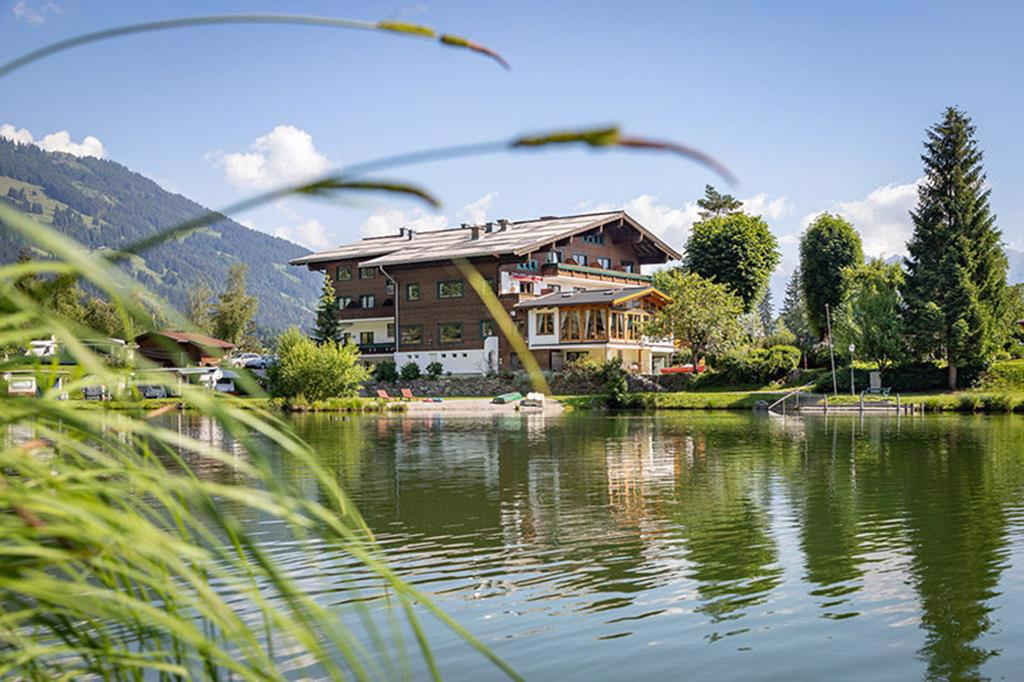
{"points": [[468, 361]]}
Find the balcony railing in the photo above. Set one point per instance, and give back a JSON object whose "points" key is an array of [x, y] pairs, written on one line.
{"points": [[586, 272], [376, 348]]}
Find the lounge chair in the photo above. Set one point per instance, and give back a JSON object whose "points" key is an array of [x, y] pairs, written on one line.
{"points": [[382, 394], [407, 394]]}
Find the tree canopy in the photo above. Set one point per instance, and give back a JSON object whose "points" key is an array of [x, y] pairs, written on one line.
{"points": [[827, 247], [315, 371], [715, 204], [956, 269], [703, 315], [794, 313], [327, 326], [870, 316], [737, 250], [235, 309]]}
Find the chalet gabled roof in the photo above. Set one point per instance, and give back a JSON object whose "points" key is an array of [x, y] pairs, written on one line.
{"points": [[518, 239], [188, 337], [590, 297]]}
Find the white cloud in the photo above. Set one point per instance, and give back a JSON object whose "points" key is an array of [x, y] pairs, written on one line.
{"points": [[35, 13], [284, 155], [673, 223], [475, 212], [310, 233], [388, 220], [882, 218], [769, 209], [59, 141]]}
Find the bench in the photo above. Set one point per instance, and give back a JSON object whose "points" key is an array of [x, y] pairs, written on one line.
{"points": [[876, 391]]}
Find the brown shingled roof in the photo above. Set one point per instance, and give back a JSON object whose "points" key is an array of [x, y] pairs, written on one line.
{"points": [[518, 238]]}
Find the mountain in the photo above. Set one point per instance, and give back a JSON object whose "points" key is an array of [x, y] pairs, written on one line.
{"points": [[100, 203]]}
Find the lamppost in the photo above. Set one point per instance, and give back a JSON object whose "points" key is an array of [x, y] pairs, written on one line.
{"points": [[852, 348]]}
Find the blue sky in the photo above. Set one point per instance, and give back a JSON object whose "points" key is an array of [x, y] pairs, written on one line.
{"points": [[815, 106]]}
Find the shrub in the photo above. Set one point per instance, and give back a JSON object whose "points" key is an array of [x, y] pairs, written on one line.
{"points": [[435, 370], [614, 384], [923, 376], [968, 403], [410, 372], [759, 366], [581, 371], [386, 371], [1005, 376], [999, 402], [329, 370]]}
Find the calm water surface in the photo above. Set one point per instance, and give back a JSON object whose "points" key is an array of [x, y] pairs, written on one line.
{"points": [[694, 546]]}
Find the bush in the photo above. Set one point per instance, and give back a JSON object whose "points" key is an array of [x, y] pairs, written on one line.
{"points": [[386, 371], [760, 366], [999, 402], [316, 372], [1005, 376], [435, 370], [410, 372], [923, 376], [614, 384]]}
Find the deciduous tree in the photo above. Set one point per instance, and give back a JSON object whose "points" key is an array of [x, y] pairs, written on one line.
{"points": [[235, 308], [870, 315], [703, 316], [737, 250], [827, 247]]}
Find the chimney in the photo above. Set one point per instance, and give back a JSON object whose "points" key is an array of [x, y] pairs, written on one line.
{"points": [[474, 232], [503, 224], [407, 232]]}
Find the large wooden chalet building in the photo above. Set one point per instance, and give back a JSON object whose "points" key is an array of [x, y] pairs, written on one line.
{"points": [[572, 285]]}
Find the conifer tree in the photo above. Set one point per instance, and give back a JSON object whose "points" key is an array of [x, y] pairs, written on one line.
{"points": [[235, 308], [716, 204], [327, 328], [794, 313], [766, 312], [956, 270]]}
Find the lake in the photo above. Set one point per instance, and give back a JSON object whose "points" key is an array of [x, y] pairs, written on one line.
{"points": [[695, 545]]}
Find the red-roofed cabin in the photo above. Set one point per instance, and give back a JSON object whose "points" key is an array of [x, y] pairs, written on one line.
{"points": [[181, 349]]}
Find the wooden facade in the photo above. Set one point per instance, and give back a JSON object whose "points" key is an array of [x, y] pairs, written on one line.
{"points": [[430, 308]]}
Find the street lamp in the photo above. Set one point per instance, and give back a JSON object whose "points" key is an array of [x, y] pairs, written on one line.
{"points": [[852, 348]]}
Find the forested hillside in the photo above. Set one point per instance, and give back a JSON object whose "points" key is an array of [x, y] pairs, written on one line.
{"points": [[103, 204]]}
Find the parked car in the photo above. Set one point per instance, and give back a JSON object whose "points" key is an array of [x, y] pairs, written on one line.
{"points": [[242, 359], [149, 391], [261, 362]]}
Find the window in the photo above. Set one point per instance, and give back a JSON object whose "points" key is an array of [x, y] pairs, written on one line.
{"points": [[366, 338], [488, 328], [391, 330], [554, 257], [570, 325], [343, 273], [367, 273], [450, 288], [346, 338], [526, 287], [521, 327], [627, 266], [594, 323], [603, 262], [412, 291], [530, 265], [545, 323], [412, 334], [344, 302], [449, 332], [593, 238], [367, 301], [489, 281], [617, 328], [580, 258]]}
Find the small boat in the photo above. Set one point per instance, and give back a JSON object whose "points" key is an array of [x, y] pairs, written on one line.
{"points": [[532, 401]]}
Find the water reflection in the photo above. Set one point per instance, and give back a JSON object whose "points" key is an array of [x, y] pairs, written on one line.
{"points": [[739, 545]]}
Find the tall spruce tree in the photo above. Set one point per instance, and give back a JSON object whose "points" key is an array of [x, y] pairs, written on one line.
{"points": [[956, 270], [327, 327], [794, 313], [766, 312]]}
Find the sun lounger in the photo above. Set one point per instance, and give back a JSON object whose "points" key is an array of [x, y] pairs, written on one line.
{"points": [[407, 394]]}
